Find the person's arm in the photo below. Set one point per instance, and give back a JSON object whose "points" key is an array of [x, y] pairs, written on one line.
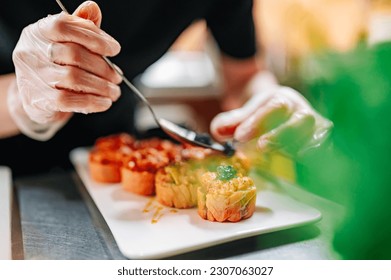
{"points": [[8, 127], [237, 73], [232, 27]]}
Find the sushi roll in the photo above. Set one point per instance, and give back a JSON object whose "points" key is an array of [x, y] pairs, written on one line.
{"points": [[176, 186], [104, 166], [238, 161], [139, 170], [226, 195], [114, 142], [105, 159]]}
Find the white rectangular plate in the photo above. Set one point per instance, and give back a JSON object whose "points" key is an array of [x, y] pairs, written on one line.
{"points": [[144, 229], [5, 213]]}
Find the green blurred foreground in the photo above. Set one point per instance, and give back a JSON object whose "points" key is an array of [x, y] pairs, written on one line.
{"points": [[354, 91]]}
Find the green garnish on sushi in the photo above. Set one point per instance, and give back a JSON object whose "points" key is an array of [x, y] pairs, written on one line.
{"points": [[226, 172]]}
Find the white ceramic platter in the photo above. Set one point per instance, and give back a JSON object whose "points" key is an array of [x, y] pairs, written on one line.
{"points": [[144, 229]]}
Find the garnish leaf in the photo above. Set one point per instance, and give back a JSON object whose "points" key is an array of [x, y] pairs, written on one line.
{"points": [[226, 172]]}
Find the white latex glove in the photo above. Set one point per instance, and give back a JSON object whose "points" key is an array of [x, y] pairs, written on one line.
{"points": [[279, 116], [59, 70]]}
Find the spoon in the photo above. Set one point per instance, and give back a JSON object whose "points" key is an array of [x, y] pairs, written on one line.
{"points": [[173, 130]]}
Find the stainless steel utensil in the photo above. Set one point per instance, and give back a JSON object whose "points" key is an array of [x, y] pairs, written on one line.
{"points": [[175, 131]]}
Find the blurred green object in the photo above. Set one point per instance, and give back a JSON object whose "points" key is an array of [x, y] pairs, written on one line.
{"points": [[226, 172], [354, 90]]}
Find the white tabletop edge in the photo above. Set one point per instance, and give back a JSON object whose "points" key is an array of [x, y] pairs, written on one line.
{"points": [[5, 213]]}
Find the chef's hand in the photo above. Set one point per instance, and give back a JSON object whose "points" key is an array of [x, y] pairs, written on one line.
{"points": [[278, 116], [59, 70]]}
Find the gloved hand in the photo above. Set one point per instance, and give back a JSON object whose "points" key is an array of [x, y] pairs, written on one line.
{"points": [[281, 118], [59, 70]]}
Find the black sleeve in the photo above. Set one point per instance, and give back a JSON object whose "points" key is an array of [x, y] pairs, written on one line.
{"points": [[232, 25], [7, 44]]}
